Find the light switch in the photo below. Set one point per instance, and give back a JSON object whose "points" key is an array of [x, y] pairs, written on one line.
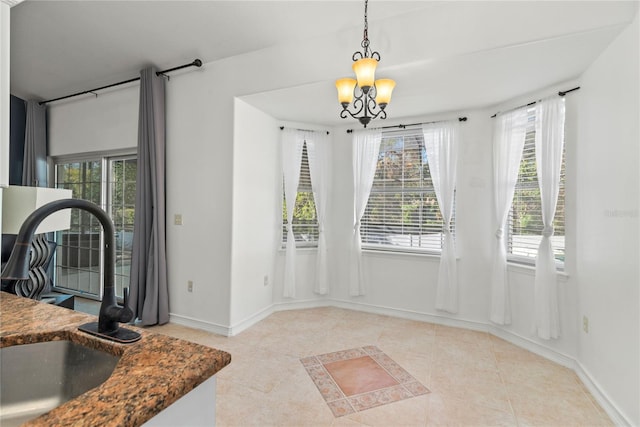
{"points": [[177, 220]]}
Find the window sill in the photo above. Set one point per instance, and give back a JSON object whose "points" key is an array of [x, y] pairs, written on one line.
{"points": [[283, 249], [395, 252]]}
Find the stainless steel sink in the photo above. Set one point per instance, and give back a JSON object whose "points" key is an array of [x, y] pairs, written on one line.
{"points": [[35, 378]]}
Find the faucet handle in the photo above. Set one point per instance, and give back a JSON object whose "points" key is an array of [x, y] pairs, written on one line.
{"points": [[125, 313]]}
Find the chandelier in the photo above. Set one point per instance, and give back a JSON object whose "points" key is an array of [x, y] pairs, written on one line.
{"points": [[370, 97]]}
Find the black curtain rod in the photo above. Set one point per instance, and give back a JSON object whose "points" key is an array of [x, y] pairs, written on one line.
{"points": [[561, 93], [304, 130], [195, 63], [460, 119]]}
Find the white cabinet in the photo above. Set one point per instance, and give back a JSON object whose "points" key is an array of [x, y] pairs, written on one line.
{"points": [[194, 409]]}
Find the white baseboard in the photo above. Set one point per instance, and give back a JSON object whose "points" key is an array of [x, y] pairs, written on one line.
{"points": [[250, 321], [523, 342], [410, 315], [533, 346], [301, 304], [616, 415], [199, 324]]}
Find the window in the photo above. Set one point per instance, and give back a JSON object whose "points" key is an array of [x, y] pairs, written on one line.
{"points": [[108, 182], [305, 220], [402, 212], [525, 218]]}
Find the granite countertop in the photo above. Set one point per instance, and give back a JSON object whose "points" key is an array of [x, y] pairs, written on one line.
{"points": [[151, 374]]}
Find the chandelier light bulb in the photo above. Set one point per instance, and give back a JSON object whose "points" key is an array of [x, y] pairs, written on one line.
{"points": [[365, 69], [384, 88], [345, 88]]}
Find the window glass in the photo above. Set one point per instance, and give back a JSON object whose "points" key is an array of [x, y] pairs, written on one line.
{"points": [[305, 220], [403, 212], [110, 184], [525, 217]]}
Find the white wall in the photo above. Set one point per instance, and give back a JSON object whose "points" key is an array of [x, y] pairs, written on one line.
{"points": [[405, 284], [257, 212], [198, 161], [200, 156], [88, 124], [608, 225]]}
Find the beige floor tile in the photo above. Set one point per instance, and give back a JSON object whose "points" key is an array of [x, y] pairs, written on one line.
{"points": [[475, 379], [448, 411], [410, 412]]}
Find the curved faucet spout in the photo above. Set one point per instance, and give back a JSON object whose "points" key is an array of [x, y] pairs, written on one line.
{"points": [[110, 312]]}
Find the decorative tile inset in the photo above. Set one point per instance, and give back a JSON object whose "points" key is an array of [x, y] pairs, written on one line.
{"points": [[359, 375], [360, 378]]}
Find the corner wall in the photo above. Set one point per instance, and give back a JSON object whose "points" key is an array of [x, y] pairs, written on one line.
{"points": [[256, 216], [608, 224]]}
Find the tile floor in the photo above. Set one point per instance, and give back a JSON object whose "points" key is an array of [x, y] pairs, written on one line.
{"points": [[474, 378]]}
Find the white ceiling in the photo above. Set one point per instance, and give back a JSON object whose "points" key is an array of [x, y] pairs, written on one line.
{"points": [[444, 55]]}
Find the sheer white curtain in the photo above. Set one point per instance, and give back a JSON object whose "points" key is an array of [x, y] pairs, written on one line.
{"points": [[319, 152], [292, 144], [366, 146], [508, 142], [441, 144], [549, 146]]}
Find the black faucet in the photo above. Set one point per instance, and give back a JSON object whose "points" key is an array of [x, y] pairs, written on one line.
{"points": [[111, 313]]}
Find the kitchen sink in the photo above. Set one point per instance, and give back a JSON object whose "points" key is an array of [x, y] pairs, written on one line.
{"points": [[35, 378]]}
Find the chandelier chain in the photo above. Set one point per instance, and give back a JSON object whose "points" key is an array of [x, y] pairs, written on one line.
{"points": [[365, 37]]}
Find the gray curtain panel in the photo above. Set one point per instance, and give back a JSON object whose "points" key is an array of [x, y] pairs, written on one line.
{"points": [[34, 169], [149, 293]]}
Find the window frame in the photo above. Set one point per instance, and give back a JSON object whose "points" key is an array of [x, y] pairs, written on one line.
{"points": [[521, 260], [398, 249], [105, 158], [301, 244]]}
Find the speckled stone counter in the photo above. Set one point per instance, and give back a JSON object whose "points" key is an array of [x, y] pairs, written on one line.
{"points": [[151, 374]]}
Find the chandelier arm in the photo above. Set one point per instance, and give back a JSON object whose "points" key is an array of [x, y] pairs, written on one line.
{"points": [[343, 113], [381, 113], [371, 107], [358, 104]]}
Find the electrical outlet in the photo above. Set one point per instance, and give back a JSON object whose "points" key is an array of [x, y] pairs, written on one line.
{"points": [[585, 324], [266, 280], [190, 286], [177, 219]]}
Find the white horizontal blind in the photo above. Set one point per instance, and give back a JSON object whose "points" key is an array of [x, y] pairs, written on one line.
{"points": [[402, 212], [305, 220], [525, 217]]}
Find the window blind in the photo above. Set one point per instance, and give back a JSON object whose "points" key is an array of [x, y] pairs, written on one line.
{"points": [[402, 211], [525, 217], [305, 220]]}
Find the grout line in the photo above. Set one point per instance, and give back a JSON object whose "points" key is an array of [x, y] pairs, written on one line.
{"points": [[502, 380]]}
